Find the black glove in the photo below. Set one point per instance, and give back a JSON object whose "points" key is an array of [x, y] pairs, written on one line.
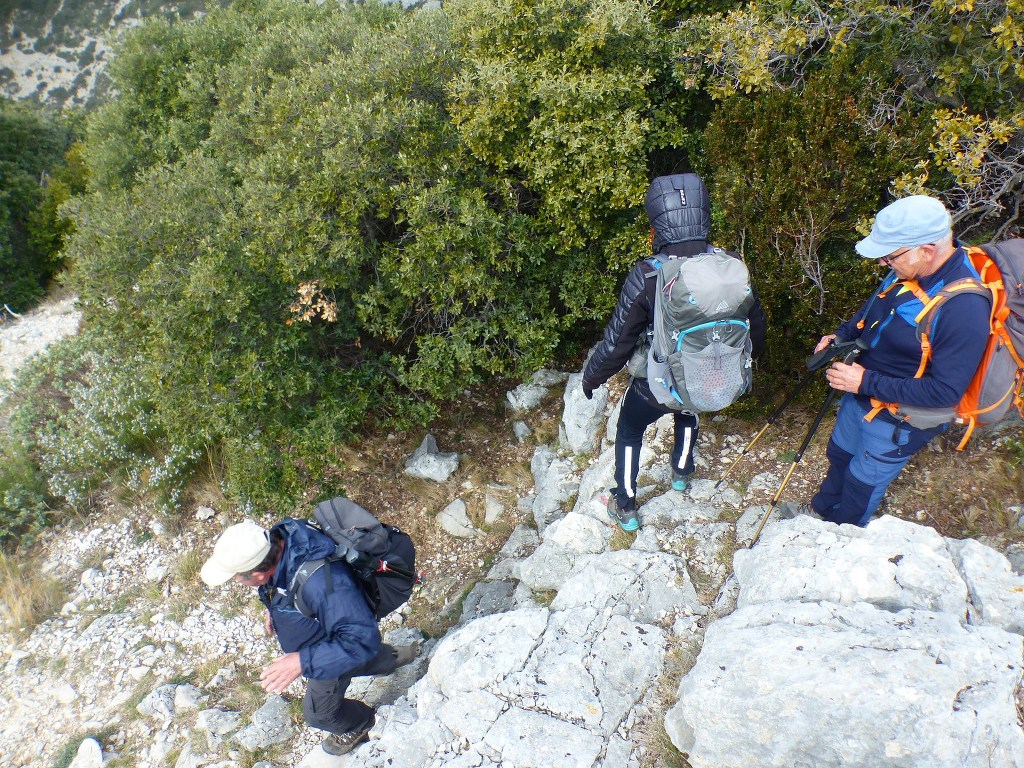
{"points": [[588, 392]]}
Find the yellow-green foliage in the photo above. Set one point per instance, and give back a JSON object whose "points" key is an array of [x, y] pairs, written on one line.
{"points": [[962, 61]]}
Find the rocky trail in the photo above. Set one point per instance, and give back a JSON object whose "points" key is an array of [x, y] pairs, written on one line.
{"points": [[556, 639]]}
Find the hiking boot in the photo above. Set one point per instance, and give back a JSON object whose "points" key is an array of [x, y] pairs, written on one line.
{"points": [[788, 510], [626, 518], [405, 654], [679, 481], [343, 743]]}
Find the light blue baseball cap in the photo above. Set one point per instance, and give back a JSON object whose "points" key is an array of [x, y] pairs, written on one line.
{"points": [[908, 222]]}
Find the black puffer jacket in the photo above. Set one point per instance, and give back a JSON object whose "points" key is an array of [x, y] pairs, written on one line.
{"points": [[634, 314]]}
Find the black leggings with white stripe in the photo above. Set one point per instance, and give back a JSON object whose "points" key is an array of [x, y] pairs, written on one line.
{"points": [[635, 415]]}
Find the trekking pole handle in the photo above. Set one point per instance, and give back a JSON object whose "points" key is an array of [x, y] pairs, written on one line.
{"points": [[831, 351], [852, 351]]}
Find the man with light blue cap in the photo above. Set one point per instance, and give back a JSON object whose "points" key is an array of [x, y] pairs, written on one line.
{"points": [[894, 403]]}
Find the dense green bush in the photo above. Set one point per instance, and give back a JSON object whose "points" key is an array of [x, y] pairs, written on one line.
{"points": [[34, 180], [25, 506], [79, 421], [309, 218], [794, 174]]}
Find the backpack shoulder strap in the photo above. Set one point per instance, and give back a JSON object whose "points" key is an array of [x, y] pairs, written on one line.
{"points": [[924, 320], [302, 575], [656, 263]]}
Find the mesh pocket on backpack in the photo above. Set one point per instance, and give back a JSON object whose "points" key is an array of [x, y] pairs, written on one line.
{"points": [[714, 377]]}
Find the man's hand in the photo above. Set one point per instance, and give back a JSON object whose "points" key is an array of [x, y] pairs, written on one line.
{"points": [[281, 673], [825, 341], [845, 378], [268, 624]]}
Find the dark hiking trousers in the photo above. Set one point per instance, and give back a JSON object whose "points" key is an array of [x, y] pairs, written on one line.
{"points": [[325, 706], [635, 416]]}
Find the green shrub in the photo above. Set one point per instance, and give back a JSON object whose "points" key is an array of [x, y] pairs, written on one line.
{"points": [[308, 219], [24, 501], [31, 151], [794, 174], [80, 420]]}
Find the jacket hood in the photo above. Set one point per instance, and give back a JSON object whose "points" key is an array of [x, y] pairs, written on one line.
{"points": [[302, 543], [679, 209]]}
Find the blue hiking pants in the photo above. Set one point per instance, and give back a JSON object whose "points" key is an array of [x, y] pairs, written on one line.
{"points": [[635, 415], [864, 457]]}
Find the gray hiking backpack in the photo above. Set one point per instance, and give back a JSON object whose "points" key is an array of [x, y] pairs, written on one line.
{"points": [[382, 557], [700, 355]]}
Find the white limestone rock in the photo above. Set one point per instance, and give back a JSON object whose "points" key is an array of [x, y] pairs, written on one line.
{"points": [[428, 463], [819, 684], [554, 487], [89, 755], [455, 520], [526, 397], [582, 419], [891, 564], [271, 724], [997, 593]]}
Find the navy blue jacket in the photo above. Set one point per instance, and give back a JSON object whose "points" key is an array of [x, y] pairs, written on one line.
{"points": [[958, 337], [343, 636]]}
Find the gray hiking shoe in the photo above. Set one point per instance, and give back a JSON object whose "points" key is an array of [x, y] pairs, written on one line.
{"points": [[343, 743], [626, 518], [789, 509], [404, 654]]}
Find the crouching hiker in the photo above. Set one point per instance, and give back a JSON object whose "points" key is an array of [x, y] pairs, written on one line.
{"points": [[897, 399], [338, 642]]}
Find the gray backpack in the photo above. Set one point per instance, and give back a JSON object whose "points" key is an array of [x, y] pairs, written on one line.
{"points": [[700, 354], [382, 557]]}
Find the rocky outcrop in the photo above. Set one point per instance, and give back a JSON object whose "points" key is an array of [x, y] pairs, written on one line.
{"points": [[822, 645], [859, 647]]}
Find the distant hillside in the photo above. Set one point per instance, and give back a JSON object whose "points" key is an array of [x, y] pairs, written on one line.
{"points": [[54, 51]]}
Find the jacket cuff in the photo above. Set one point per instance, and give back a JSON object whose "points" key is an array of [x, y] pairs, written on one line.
{"points": [[867, 383]]}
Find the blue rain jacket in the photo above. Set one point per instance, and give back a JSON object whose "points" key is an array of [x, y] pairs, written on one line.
{"points": [[343, 634]]}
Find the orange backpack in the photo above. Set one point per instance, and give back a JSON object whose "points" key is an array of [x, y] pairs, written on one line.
{"points": [[998, 383]]}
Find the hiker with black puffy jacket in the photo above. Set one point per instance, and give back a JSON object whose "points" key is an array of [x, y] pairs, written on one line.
{"points": [[894, 402], [679, 209], [339, 642]]}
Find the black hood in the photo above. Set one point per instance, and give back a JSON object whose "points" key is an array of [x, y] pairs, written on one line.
{"points": [[679, 209]]}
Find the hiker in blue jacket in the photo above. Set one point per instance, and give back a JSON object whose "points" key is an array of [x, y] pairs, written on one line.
{"points": [[869, 444], [340, 642], [679, 209]]}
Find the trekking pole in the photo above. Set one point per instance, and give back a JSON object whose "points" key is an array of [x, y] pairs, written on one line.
{"points": [[850, 357], [814, 362], [771, 420]]}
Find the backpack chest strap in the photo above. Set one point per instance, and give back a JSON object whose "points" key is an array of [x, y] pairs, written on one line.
{"points": [[923, 321]]}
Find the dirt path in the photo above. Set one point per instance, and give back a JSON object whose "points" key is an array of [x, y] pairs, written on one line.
{"points": [[22, 337]]}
